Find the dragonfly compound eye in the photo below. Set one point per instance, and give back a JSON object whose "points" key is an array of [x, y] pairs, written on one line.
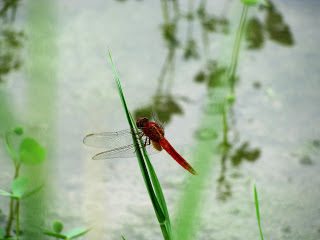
{"points": [[141, 122]]}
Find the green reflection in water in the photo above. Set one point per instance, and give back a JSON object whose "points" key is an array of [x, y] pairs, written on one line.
{"points": [[212, 138], [41, 93]]}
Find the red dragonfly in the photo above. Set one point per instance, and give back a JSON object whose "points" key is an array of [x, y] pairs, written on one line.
{"points": [[119, 145]]}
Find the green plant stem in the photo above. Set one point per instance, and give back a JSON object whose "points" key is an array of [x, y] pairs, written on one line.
{"points": [[165, 13], [241, 26], [12, 210], [8, 228], [225, 127], [18, 218], [236, 47], [13, 155]]}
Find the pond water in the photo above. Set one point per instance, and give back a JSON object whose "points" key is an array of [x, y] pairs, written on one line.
{"points": [[241, 108]]}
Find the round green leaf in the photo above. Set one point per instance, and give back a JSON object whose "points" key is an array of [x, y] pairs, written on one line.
{"points": [[19, 186], [31, 152], [18, 130], [57, 226]]}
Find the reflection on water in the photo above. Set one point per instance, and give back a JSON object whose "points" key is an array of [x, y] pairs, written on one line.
{"points": [[216, 135], [221, 81], [11, 39], [11, 45], [273, 27], [307, 152], [165, 104]]}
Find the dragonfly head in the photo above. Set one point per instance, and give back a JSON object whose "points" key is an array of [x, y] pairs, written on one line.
{"points": [[141, 122]]}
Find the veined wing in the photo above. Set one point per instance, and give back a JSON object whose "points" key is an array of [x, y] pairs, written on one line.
{"points": [[127, 151], [109, 140]]}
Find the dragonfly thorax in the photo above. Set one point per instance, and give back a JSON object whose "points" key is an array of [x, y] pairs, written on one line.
{"points": [[150, 129]]}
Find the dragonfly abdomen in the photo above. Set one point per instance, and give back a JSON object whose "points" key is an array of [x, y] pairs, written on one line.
{"points": [[176, 156]]}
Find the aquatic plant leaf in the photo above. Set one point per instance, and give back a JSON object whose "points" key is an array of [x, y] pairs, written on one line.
{"points": [[77, 232], [57, 226], [53, 234], [5, 193], [34, 191], [31, 152], [19, 186]]}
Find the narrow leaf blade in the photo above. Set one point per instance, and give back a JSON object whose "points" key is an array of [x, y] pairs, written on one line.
{"points": [[57, 235], [77, 232], [155, 202], [32, 192], [257, 210], [5, 193]]}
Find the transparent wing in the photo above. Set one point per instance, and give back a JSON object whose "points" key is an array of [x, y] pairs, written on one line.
{"points": [[156, 118], [123, 152], [109, 140]]}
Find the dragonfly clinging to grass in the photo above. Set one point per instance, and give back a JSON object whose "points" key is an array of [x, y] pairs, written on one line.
{"points": [[119, 144]]}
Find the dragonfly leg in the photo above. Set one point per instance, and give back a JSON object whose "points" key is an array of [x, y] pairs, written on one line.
{"points": [[141, 135], [145, 142]]}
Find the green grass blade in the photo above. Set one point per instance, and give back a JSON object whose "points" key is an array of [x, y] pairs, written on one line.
{"points": [[159, 193], [257, 210], [157, 188], [153, 185]]}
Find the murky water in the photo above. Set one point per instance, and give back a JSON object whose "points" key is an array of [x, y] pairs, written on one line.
{"points": [[241, 112]]}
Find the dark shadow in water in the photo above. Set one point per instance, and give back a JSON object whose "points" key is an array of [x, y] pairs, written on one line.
{"points": [[308, 153], [11, 46], [165, 106], [244, 153], [11, 39], [273, 27]]}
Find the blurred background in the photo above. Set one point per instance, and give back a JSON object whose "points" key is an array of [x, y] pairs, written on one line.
{"points": [[238, 90]]}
